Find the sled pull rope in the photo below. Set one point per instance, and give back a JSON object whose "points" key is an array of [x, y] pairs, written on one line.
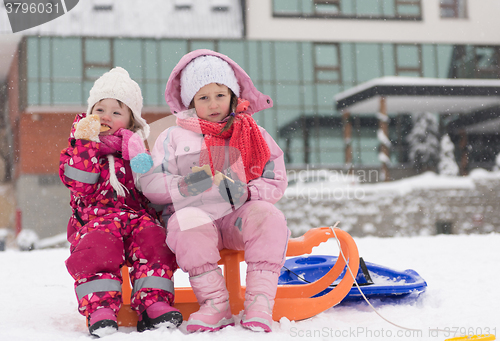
{"points": [[375, 310], [357, 285]]}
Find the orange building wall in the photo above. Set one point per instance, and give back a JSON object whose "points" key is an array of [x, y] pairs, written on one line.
{"points": [[43, 136]]}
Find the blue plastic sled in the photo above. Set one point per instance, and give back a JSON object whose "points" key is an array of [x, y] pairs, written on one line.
{"points": [[375, 281]]}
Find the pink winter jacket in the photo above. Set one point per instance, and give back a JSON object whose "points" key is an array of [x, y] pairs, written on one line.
{"points": [[93, 196], [177, 150]]}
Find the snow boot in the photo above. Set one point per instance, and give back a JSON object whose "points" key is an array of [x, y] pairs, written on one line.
{"points": [[211, 293], [260, 292], [157, 315], [102, 322]]}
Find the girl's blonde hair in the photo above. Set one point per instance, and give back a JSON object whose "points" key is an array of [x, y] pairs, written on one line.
{"points": [[233, 105]]}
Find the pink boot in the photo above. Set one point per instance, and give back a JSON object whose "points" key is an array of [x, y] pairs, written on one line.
{"points": [[102, 322], [159, 314], [259, 300], [215, 312]]}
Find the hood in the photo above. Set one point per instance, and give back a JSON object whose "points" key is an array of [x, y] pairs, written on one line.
{"points": [[258, 101]]}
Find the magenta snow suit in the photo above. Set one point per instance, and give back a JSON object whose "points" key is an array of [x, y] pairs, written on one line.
{"points": [[201, 225], [107, 231]]}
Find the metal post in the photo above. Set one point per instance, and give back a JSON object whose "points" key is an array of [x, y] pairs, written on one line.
{"points": [[384, 147], [347, 126]]}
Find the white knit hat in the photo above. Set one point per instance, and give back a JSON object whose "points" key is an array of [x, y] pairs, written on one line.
{"points": [[204, 70], [117, 84]]}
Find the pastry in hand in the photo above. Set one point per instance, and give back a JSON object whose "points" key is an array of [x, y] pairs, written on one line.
{"points": [[205, 168], [218, 177], [88, 128]]}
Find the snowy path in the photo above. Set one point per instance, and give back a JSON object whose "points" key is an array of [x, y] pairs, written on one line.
{"points": [[461, 272]]}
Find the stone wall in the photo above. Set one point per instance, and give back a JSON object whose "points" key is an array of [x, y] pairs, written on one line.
{"points": [[44, 204], [472, 205]]}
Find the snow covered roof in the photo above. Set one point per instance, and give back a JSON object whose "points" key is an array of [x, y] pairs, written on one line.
{"points": [[152, 18], [184, 19], [484, 127], [411, 94]]}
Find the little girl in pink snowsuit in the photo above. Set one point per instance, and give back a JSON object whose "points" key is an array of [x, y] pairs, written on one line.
{"points": [[112, 225], [219, 174]]}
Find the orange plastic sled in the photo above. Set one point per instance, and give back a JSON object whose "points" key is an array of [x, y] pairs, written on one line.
{"points": [[294, 302]]}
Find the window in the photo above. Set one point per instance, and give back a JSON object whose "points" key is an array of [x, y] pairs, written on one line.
{"points": [[181, 5], [487, 60], [327, 6], [453, 9], [475, 62], [408, 8], [408, 60], [97, 57], [327, 63], [349, 9], [103, 8], [220, 5]]}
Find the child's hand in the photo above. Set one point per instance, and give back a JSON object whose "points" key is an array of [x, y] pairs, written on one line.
{"points": [[134, 149], [88, 128], [195, 183], [132, 143], [234, 192]]}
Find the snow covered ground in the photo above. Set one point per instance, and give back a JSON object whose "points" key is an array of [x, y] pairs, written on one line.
{"points": [[38, 301]]}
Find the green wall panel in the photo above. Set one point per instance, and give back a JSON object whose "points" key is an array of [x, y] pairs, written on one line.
{"points": [[151, 63], [128, 55], [389, 64], [348, 62], [444, 59], [33, 93], [97, 50], [69, 63], [67, 93], [368, 65], [171, 51], [287, 64], [153, 94], [429, 63], [267, 61], [202, 44], [45, 58], [46, 93], [32, 68], [235, 50], [368, 7]]}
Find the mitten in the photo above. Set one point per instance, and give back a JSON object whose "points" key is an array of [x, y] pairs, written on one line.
{"points": [[141, 163], [134, 149], [234, 192], [88, 128], [195, 183]]}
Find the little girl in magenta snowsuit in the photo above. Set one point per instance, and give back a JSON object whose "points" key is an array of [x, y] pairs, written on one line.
{"points": [[219, 174], [112, 225]]}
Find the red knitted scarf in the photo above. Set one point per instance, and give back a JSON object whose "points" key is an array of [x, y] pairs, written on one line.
{"points": [[245, 141]]}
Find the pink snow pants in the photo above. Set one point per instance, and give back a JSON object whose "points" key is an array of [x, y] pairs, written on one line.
{"points": [[257, 227], [104, 245]]}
